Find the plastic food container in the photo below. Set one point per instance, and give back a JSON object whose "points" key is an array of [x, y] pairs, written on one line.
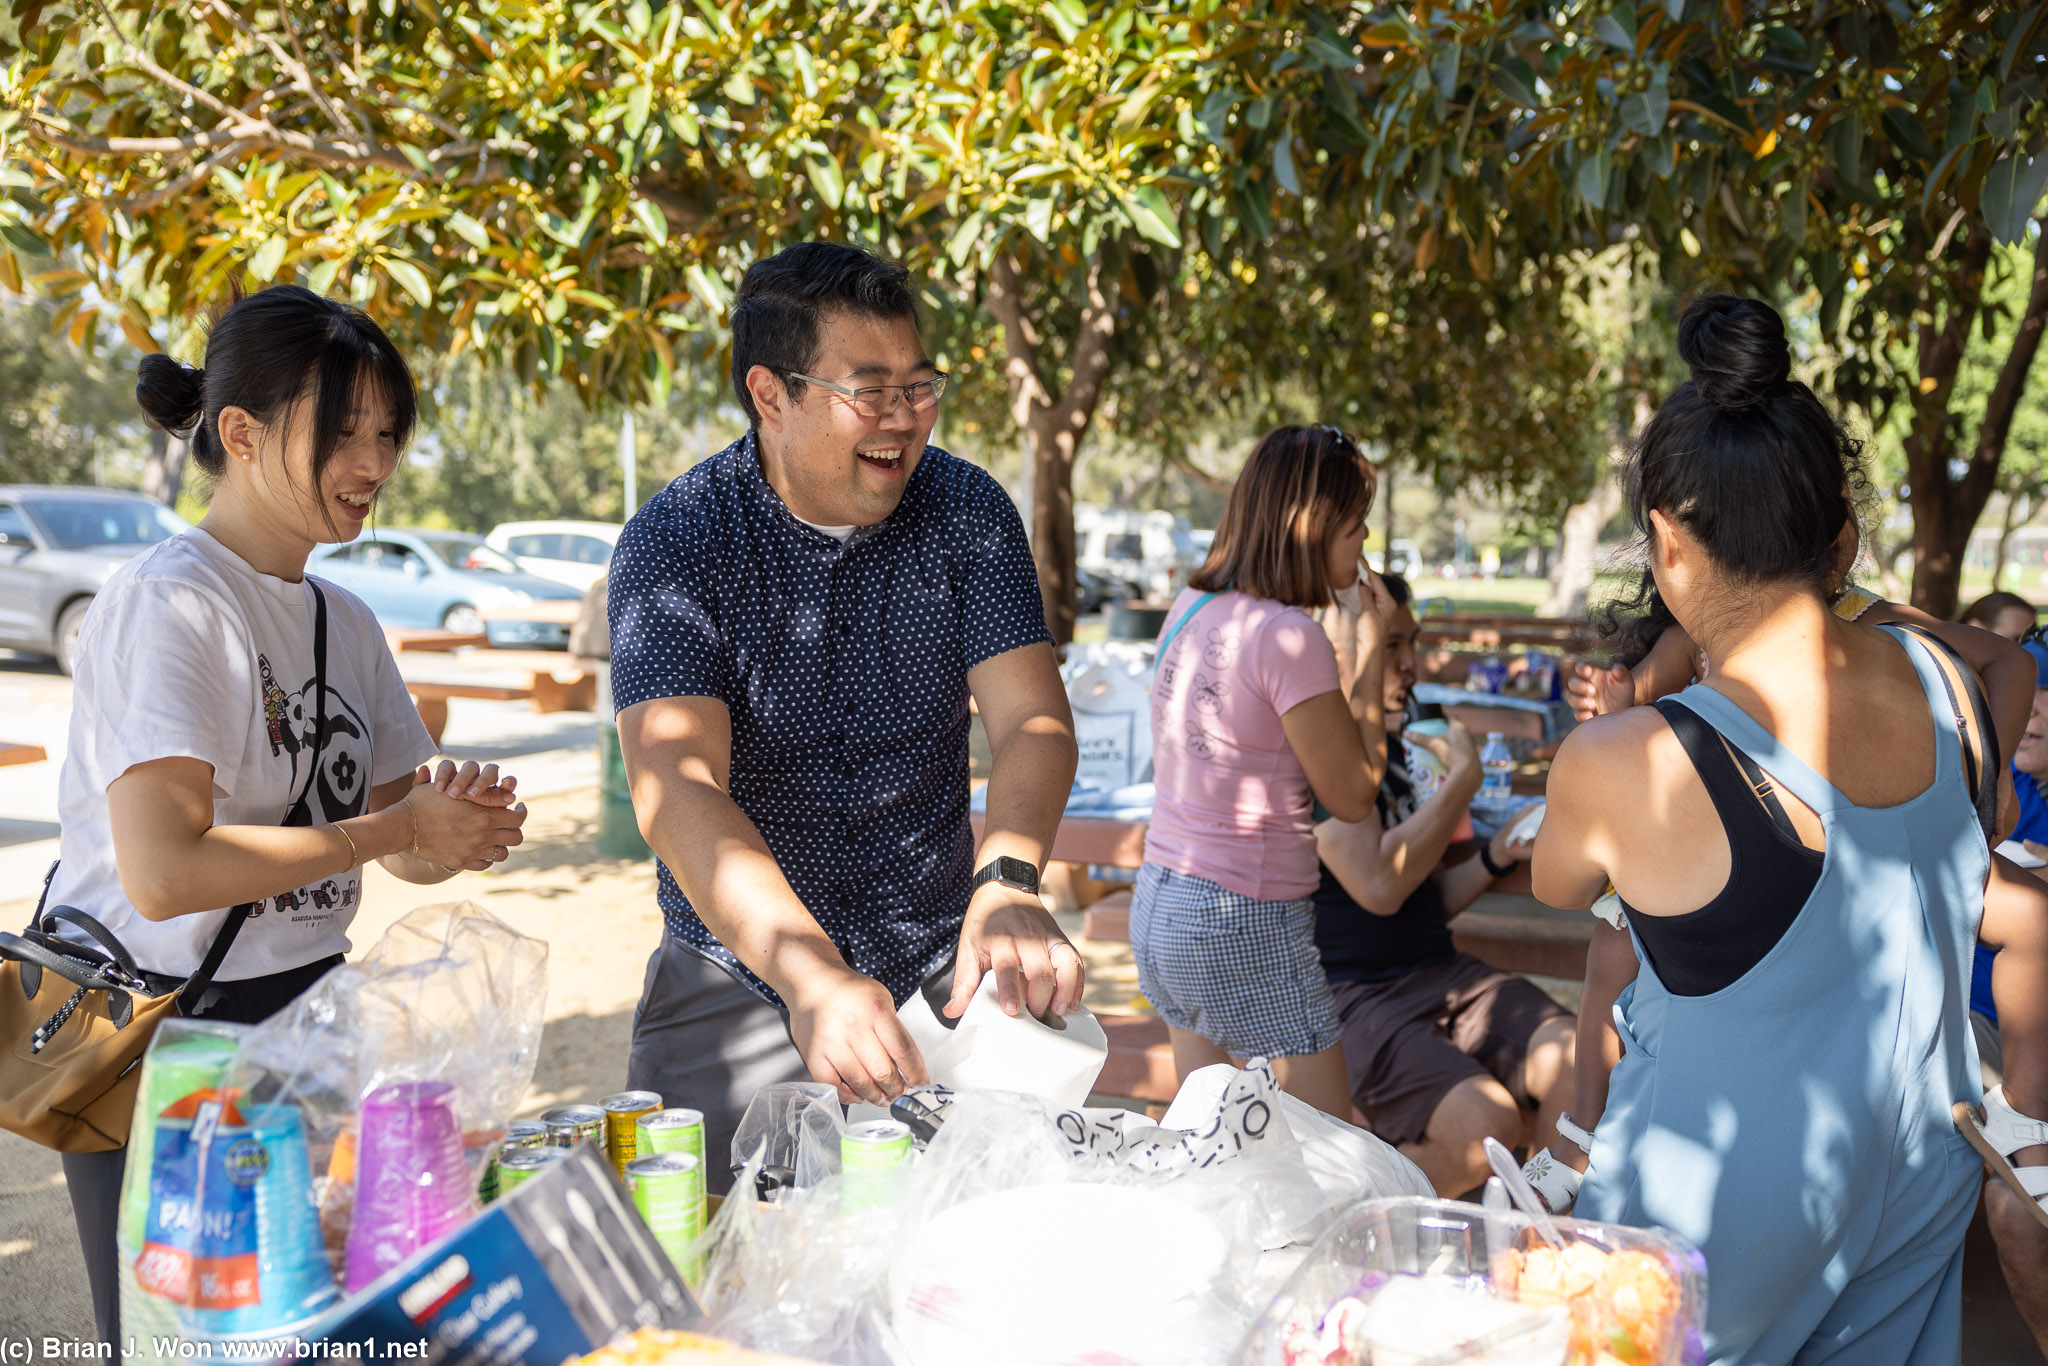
{"points": [[1613, 1296]]}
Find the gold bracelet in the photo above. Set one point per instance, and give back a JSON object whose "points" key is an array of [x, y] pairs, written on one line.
{"points": [[415, 829], [354, 858]]}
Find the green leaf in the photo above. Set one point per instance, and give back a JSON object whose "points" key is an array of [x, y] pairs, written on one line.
{"points": [[1517, 80], [22, 240], [1592, 179], [2016, 42], [1038, 219], [708, 288], [1659, 95], [410, 278], [739, 88], [1660, 154], [1635, 115], [2012, 191], [1153, 215], [651, 220], [1444, 66], [1068, 18], [1283, 162], [320, 278], [965, 237], [826, 179], [1792, 213], [469, 230], [263, 265], [1255, 208], [1260, 114], [1612, 33], [639, 103]]}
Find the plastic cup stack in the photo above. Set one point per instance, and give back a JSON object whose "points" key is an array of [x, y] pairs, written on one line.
{"points": [[293, 1279], [412, 1182]]}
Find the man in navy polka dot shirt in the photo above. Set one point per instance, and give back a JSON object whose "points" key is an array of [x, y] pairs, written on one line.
{"points": [[797, 626]]}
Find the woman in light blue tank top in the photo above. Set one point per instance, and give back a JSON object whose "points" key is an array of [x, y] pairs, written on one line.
{"points": [[1793, 1117]]}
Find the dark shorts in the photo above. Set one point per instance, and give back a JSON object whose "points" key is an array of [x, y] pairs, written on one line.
{"points": [[1410, 1041]]}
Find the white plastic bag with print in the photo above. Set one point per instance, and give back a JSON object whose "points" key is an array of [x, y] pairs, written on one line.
{"points": [[1109, 686]]}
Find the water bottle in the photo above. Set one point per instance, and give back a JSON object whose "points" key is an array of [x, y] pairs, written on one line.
{"points": [[1496, 789]]}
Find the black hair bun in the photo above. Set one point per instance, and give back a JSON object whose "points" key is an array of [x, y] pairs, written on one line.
{"points": [[170, 393], [1736, 348]]}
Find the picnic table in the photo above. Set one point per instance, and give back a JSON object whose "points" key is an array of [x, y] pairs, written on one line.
{"points": [[551, 680], [21, 754]]}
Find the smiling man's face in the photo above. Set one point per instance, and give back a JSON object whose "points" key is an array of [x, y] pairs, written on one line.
{"points": [[831, 465]]}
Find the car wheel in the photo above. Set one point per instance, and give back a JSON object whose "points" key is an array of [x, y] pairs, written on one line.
{"points": [[70, 622], [463, 620]]}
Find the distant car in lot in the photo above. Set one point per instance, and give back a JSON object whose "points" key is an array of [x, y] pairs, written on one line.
{"points": [[444, 579], [1094, 591], [58, 545], [574, 553]]}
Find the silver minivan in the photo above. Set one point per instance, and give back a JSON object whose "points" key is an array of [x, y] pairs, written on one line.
{"points": [[58, 546]]}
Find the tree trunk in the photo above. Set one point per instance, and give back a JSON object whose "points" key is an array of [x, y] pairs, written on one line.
{"points": [[1945, 508], [1053, 426], [163, 478], [2019, 510], [1577, 563]]}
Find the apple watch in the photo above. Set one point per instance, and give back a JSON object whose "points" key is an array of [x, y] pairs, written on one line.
{"points": [[1011, 872]]}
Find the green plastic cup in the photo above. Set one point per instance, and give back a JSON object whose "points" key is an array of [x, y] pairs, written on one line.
{"points": [[171, 1070]]}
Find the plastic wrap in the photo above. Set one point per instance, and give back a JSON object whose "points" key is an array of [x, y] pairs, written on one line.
{"points": [[1407, 1280], [240, 1195], [1008, 1206]]}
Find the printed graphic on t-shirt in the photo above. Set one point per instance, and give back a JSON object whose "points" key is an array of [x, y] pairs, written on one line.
{"points": [[339, 788]]}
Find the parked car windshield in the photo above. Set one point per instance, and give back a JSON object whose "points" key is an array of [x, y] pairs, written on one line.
{"points": [[459, 550], [78, 523]]}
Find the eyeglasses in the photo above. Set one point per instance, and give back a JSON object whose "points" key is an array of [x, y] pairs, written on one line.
{"points": [[879, 400]]}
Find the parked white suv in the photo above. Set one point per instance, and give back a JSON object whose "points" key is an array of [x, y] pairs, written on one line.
{"points": [[574, 553]]}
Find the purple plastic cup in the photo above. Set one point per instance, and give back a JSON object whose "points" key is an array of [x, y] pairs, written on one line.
{"points": [[412, 1184]]}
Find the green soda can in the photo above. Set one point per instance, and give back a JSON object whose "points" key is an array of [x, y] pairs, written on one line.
{"points": [[668, 1190], [520, 1136], [569, 1125], [516, 1169], [672, 1131], [870, 1155]]}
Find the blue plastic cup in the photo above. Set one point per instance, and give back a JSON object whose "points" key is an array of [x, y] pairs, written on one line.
{"points": [[264, 1175]]}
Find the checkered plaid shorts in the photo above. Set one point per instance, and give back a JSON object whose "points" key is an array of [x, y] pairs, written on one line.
{"points": [[1243, 974]]}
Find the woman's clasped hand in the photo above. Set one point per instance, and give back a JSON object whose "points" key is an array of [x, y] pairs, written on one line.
{"points": [[465, 816]]}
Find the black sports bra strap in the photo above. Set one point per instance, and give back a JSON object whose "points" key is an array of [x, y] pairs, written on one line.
{"points": [[1727, 774]]}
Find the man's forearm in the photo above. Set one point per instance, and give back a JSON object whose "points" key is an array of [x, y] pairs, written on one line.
{"points": [[1462, 885], [1413, 849], [1030, 778], [734, 883]]}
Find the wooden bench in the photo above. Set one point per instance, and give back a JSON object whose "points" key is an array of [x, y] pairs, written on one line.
{"points": [[21, 754]]}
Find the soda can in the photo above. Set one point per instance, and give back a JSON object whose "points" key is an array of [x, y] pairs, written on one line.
{"points": [[672, 1131], [870, 1154], [668, 1190], [569, 1125], [621, 1134], [520, 1135], [515, 1169]]}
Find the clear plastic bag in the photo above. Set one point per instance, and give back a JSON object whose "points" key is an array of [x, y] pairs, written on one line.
{"points": [[1010, 1205], [1407, 1280], [443, 1014]]}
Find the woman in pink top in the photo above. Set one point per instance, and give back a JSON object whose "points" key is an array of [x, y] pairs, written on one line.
{"points": [[1251, 726]]}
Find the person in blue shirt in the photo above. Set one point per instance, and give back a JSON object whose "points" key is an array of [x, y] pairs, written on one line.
{"points": [[798, 626]]}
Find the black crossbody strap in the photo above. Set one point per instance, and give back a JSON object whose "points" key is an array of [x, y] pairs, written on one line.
{"points": [[196, 985]]}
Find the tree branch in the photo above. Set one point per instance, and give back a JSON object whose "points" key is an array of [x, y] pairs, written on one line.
{"points": [[1021, 357], [1091, 355], [294, 68], [145, 64], [172, 189], [2012, 376]]}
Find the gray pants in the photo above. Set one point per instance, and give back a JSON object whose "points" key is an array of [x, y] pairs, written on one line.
{"points": [[94, 1182], [703, 1041]]}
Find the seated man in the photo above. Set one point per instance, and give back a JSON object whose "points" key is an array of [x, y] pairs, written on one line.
{"points": [[1443, 1051]]}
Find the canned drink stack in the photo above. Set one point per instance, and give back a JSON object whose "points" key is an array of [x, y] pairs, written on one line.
{"points": [[569, 1125], [621, 1130], [520, 1135], [668, 1190]]}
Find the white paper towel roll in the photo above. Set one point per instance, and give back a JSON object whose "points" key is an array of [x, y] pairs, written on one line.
{"points": [[989, 1050]]}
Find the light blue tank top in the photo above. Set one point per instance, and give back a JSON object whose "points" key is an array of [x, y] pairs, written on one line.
{"points": [[1795, 1124]]}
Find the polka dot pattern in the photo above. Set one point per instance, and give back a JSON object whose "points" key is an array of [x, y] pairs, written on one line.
{"points": [[844, 666]]}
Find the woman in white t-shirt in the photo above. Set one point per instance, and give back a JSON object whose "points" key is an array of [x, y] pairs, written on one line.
{"points": [[221, 759]]}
